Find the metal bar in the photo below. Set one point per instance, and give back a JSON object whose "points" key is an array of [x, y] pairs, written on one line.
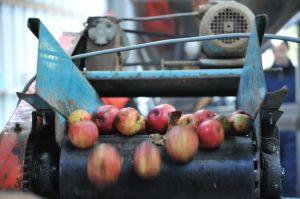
{"points": [[204, 82], [160, 17], [207, 63], [155, 34], [297, 87], [181, 40], [222, 63], [144, 64], [58, 81], [34, 100], [158, 43], [170, 64]]}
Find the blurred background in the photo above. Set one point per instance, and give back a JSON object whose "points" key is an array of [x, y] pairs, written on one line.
{"points": [[18, 49]]}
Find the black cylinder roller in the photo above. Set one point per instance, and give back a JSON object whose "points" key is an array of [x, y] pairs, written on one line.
{"points": [[226, 172]]}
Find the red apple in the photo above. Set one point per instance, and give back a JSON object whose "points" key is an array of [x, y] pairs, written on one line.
{"points": [[240, 122], [147, 160], [78, 115], [104, 117], [104, 165], [83, 134], [224, 122], [204, 114], [190, 121], [181, 143], [211, 134], [128, 121], [157, 118]]}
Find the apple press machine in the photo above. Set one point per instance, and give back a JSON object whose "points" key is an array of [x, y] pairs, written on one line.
{"points": [[37, 156]]}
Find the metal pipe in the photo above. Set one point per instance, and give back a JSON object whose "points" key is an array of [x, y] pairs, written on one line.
{"points": [[160, 17], [180, 40]]}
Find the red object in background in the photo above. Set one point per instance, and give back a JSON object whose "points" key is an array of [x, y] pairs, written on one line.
{"points": [[154, 8], [10, 164], [119, 102]]}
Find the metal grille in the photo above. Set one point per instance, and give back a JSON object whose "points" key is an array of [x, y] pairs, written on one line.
{"points": [[228, 21]]}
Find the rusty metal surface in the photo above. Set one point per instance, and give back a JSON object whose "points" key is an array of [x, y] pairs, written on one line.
{"points": [[13, 141]]}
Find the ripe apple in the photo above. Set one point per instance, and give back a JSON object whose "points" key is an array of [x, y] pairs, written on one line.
{"points": [[78, 115], [211, 134], [224, 122], [238, 111], [157, 118], [240, 122], [83, 134], [104, 117], [104, 165], [147, 160], [204, 114], [128, 121], [143, 129], [181, 143], [190, 121]]}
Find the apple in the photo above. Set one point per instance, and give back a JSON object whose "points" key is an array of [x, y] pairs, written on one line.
{"points": [[104, 165], [157, 118], [83, 134], [240, 122], [104, 117], [211, 134], [78, 115], [190, 121], [238, 111], [147, 160], [128, 121], [204, 114], [224, 122], [181, 143], [143, 129]]}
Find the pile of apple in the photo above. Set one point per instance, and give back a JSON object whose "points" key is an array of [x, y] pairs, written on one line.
{"points": [[184, 135]]}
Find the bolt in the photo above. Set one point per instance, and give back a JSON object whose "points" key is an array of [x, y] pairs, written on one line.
{"points": [[282, 173], [254, 145], [271, 118], [275, 186], [17, 127]]}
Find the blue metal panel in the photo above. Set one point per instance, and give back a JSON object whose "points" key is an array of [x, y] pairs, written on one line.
{"points": [[252, 87], [59, 82]]}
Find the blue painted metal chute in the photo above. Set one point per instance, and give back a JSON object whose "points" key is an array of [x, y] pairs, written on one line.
{"points": [[59, 83]]}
